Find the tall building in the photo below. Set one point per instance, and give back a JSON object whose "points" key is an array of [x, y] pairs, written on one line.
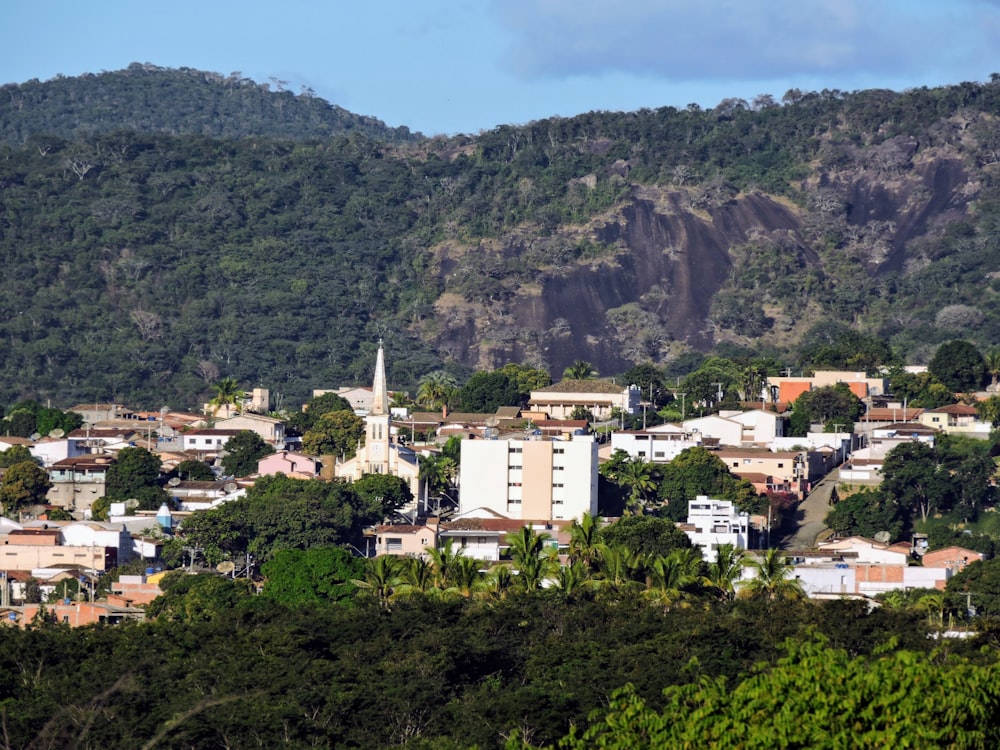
{"points": [[535, 479], [380, 453]]}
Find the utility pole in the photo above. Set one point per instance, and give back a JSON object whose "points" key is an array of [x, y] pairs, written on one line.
{"points": [[683, 411], [718, 391]]}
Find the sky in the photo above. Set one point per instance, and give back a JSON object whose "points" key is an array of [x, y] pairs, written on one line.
{"points": [[464, 66]]}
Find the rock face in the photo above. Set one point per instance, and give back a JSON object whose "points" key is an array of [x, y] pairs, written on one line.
{"points": [[679, 255], [671, 254]]}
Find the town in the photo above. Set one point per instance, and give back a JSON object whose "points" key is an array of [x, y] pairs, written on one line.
{"points": [[554, 491]]}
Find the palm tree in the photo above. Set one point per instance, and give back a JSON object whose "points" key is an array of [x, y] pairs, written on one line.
{"points": [[933, 605], [671, 575], [465, 576], [443, 561], [726, 570], [638, 476], [498, 583], [617, 568], [381, 579], [771, 580], [227, 393], [418, 576], [584, 536], [438, 474], [528, 551], [580, 370], [571, 578], [435, 389], [993, 366]]}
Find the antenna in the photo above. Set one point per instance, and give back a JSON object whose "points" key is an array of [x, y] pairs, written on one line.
{"points": [[174, 481], [882, 537], [226, 566], [230, 487], [56, 433], [36, 435]]}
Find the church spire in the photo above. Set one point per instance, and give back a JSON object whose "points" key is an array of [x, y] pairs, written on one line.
{"points": [[380, 395]]}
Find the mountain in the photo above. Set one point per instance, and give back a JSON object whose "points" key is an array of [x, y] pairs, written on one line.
{"points": [[146, 98], [143, 263]]}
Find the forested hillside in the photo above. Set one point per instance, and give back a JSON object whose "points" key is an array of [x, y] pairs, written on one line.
{"points": [[144, 262]]}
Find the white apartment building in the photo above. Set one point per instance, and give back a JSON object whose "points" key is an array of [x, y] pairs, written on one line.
{"points": [[539, 479], [714, 522], [654, 445]]}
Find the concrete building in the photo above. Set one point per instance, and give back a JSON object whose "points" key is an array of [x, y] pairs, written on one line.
{"points": [[536, 479], [714, 522], [77, 482], [600, 397], [655, 446]]}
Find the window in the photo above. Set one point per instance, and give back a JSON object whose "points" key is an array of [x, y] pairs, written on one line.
{"points": [[394, 544], [516, 450], [557, 502], [515, 467], [559, 450], [781, 464], [557, 484]]}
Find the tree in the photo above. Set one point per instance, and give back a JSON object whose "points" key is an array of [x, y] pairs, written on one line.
{"points": [[436, 389], [672, 576], [831, 405], [243, 451], [580, 370], [337, 433], [648, 536], [866, 513], [698, 471], [529, 551], [227, 394], [382, 491], [313, 577], [135, 475], [726, 570], [14, 455], [651, 382], [381, 578], [992, 361], [772, 577], [584, 536], [193, 470], [959, 365], [485, 392], [301, 422], [23, 484], [640, 478], [912, 479]]}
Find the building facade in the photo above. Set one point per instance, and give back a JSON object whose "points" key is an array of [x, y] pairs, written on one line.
{"points": [[537, 479]]}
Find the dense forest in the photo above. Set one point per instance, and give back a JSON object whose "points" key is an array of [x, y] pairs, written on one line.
{"points": [[222, 668], [151, 248]]}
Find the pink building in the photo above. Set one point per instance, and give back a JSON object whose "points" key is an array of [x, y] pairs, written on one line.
{"points": [[296, 465]]}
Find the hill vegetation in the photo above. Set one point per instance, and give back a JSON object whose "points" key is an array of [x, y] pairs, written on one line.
{"points": [[157, 236]]}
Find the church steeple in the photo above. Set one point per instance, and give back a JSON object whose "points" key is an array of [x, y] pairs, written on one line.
{"points": [[380, 394]]}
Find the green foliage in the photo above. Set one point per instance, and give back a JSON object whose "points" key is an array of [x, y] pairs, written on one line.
{"points": [[14, 455], [484, 392], [243, 451], [698, 471], [194, 471], [646, 535], [959, 365], [382, 491], [26, 418], [191, 598], [849, 702], [302, 421], [312, 577], [829, 405], [866, 513], [336, 433], [281, 513], [25, 483]]}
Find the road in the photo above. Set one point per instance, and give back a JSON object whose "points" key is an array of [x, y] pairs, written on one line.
{"points": [[810, 514]]}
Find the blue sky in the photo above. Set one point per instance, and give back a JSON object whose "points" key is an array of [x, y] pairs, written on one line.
{"points": [[449, 66]]}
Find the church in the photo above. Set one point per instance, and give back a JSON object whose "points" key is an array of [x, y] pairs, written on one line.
{"points": [[381, 454]]}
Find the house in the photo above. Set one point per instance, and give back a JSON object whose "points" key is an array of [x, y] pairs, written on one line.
{"points": [[271, 430], [94, 413], [599, 397], [726, 431], [711, 523], [537, 478], [406, 540], [483, 535], [857, 566], [77, 482], [289, 463], [78, 614], [207, 441], [654, 445], [381, 453], [786, 471], [24, 549], [788, 389], [957, 419]]}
